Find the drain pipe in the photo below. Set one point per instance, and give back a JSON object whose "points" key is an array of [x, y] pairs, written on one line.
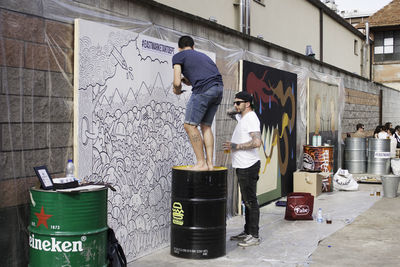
{"points": [[368, 46], [244, 16], [247, 17]]}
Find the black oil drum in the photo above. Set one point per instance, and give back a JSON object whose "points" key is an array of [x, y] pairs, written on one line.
{"points": [[198, 213]]}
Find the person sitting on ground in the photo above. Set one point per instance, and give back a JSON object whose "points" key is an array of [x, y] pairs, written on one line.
{"points": [[388, 125], [397, 135], [383, 133], [377, 130], [393, 142], [359, 131]]}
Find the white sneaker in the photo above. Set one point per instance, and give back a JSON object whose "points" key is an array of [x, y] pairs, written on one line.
{"points": [[249, 241], [239, 237]]}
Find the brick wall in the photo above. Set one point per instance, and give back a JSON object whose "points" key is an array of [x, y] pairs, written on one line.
{"points": [[360, 107], [36, 60], [36, 104]]}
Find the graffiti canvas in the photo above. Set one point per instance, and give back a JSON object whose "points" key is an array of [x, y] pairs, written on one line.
{"points": [[128, 127], [274, 93], [323, 114]]}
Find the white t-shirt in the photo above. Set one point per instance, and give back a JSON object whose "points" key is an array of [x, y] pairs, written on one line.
{"points": [[383, 135], [393, 145], [246, 125]]}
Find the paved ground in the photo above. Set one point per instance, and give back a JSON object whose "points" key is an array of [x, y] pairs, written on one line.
{"points": [[365, 232], [373, 239]]}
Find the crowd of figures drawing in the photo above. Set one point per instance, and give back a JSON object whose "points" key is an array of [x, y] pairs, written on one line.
{"points": [[130, 130]]}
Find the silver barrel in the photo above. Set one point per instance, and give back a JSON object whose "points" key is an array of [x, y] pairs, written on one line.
{"points": [[355, 155], [378, 156]]}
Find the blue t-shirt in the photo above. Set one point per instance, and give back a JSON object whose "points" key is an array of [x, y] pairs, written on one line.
{"points": [[199, 69]]}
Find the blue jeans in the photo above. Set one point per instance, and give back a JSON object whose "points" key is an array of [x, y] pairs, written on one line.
{"points": [[201, 107], [248, 178]]}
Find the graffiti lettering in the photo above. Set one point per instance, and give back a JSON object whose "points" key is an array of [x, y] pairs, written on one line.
{"points": [[177, 213]]}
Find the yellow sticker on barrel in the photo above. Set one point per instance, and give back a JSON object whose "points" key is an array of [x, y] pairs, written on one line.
{"points": [[177, 213]]}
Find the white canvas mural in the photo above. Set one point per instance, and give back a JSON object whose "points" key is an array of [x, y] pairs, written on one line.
{"points": [[128, 129]]}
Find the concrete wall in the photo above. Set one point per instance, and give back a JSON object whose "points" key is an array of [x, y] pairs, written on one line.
{"points": [[36, 93], [387, 73], [339, 47], [290, 24]]}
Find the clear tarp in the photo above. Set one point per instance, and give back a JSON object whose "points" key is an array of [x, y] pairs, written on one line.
{"points": [[36, 102]]}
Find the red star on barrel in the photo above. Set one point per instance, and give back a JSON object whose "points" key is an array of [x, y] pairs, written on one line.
{"points": [[42, 218]]}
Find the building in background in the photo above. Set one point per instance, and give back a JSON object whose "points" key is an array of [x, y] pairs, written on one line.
{"points": [[384, 27], [293, 25], [355, 17]]}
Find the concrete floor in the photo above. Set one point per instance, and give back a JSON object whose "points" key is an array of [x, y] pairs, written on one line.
{"points": [[365, 232], [373, 239]]}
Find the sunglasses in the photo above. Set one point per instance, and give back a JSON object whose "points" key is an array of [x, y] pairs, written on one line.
{"points": [[237, 103]]}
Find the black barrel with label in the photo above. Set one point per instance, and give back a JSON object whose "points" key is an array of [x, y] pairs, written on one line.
{"points": [[198, 213]]}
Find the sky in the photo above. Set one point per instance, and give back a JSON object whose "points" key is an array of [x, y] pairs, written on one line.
{"points": [[361, 5]]}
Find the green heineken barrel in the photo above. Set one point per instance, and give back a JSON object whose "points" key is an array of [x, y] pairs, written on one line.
{"points": [[198, 213], [68, 229]]}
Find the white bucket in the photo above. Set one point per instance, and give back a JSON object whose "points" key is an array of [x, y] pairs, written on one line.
{"points": [[390, 185]]}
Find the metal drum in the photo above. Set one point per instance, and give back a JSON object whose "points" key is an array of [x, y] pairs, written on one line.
{"points": [[355, 157], [198, 213], [378, 156], [68, 229], [318, 158]]}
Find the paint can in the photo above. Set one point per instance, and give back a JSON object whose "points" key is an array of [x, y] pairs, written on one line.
{"points": [[390, 184], [198, 213], [318, 158]]}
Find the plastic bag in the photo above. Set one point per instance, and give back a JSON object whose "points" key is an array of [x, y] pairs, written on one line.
{"points": [[115, 254], [395, 164], [299, 206], [343, 180]]}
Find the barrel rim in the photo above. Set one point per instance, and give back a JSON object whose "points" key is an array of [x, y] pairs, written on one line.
{"points": [[185, 168], [34, 188]]}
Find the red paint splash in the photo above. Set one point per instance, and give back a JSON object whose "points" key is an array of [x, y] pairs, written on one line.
{"points": [[259, 89]]}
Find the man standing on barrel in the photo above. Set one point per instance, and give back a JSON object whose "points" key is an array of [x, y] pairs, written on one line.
{"points": [[202, 74], [246, 140]]}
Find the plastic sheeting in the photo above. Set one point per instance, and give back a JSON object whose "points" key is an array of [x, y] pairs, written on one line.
{"points": [[37, 108]]}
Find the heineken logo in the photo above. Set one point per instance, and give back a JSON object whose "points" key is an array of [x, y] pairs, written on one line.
{"points": [[42, 218], [54, 245]]}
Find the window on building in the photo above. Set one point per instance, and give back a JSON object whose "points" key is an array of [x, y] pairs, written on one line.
{"points": [[356, 47], [387, 46]]}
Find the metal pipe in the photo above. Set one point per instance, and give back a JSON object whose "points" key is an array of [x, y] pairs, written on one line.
{"points": [[242, 16], [248, 17]]}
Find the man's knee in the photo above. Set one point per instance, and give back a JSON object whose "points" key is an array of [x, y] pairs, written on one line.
{"points": [[251, 203], [205, 126], [189, 127]]}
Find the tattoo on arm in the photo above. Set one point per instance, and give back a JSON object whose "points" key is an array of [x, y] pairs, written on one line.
{"points": [[253, 143]]}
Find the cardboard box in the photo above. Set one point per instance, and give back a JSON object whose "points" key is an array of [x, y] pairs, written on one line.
{"points": [[327, 181], [309, 182]]}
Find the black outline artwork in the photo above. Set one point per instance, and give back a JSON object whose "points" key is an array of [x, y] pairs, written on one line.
{"points": [[130, 134]]}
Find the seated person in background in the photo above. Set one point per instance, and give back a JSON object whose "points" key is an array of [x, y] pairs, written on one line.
{"points": [[359, 131], [397, 135], [377, 130], [388, 125], [383, 133], [393, 142]]}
